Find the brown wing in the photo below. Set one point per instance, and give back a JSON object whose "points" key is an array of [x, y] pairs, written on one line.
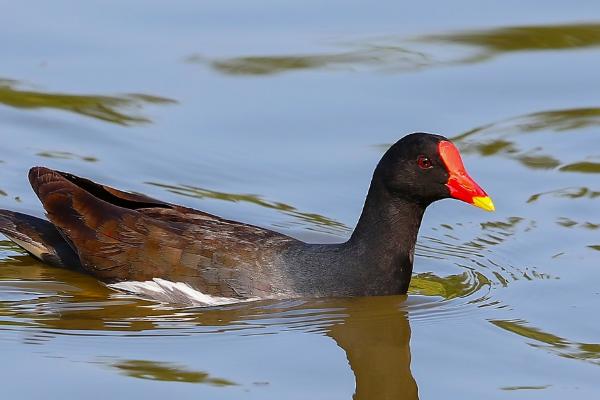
{"points": [[121, 236]]}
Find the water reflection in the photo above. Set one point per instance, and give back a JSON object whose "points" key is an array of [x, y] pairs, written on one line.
{"points": [[555, 120], [569, 223], [568, 193], [161, 371], [589, 352], [448, 287], [587, 167], [505, 138], [311, 221], [523, 38], [525, 387], [394, 54], [375, 334], [362, 56], [66, 155], [106, 108], [482, 268]]}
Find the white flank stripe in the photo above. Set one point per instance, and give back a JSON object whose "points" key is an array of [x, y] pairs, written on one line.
{"points": [[173, 292], [35, 248]]}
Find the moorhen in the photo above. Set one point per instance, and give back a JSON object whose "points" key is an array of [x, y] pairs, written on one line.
{"points": [[118, 236]]}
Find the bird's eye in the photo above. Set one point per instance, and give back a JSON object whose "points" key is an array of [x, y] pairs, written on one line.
{"points": [[424, 162]]}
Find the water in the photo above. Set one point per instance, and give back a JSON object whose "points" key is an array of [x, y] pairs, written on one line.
{"points": [[275, 114]]}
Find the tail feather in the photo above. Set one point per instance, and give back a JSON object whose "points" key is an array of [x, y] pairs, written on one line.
{"points": [[104, 228], [39, 238]]}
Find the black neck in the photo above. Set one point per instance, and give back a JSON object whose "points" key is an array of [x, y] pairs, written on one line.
{"points": [[384, 238], [376, 260], [387, 221]]}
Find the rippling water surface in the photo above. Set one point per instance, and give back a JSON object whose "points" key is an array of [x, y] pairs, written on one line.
{"points": [[275, 114]]}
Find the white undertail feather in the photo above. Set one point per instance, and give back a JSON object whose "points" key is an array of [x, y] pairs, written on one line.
{"points": [[172, 292], [35, 248]]}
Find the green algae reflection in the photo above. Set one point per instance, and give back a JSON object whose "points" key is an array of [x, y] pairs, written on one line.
{"points": [[448, 287], [568, 193], [396, 54], [361, 56], [66, 155], [503, 138], [589, 352], [523, 38], [161, 371], [113, 109], [315, 221]]}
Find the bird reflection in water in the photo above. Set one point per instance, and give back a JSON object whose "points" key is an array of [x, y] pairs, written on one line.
{"points": [[375, 334]]}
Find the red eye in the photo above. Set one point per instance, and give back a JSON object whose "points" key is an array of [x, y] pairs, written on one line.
{"points": [[424, 162]]}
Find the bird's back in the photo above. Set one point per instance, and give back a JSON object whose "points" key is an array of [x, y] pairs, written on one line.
{"points": [[121, 236]]}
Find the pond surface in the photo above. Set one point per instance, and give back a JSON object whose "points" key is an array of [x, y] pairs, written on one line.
{"points": [[275, 114]]}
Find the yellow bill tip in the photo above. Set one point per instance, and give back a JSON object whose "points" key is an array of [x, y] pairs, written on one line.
{"points": [[484, 202]]}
